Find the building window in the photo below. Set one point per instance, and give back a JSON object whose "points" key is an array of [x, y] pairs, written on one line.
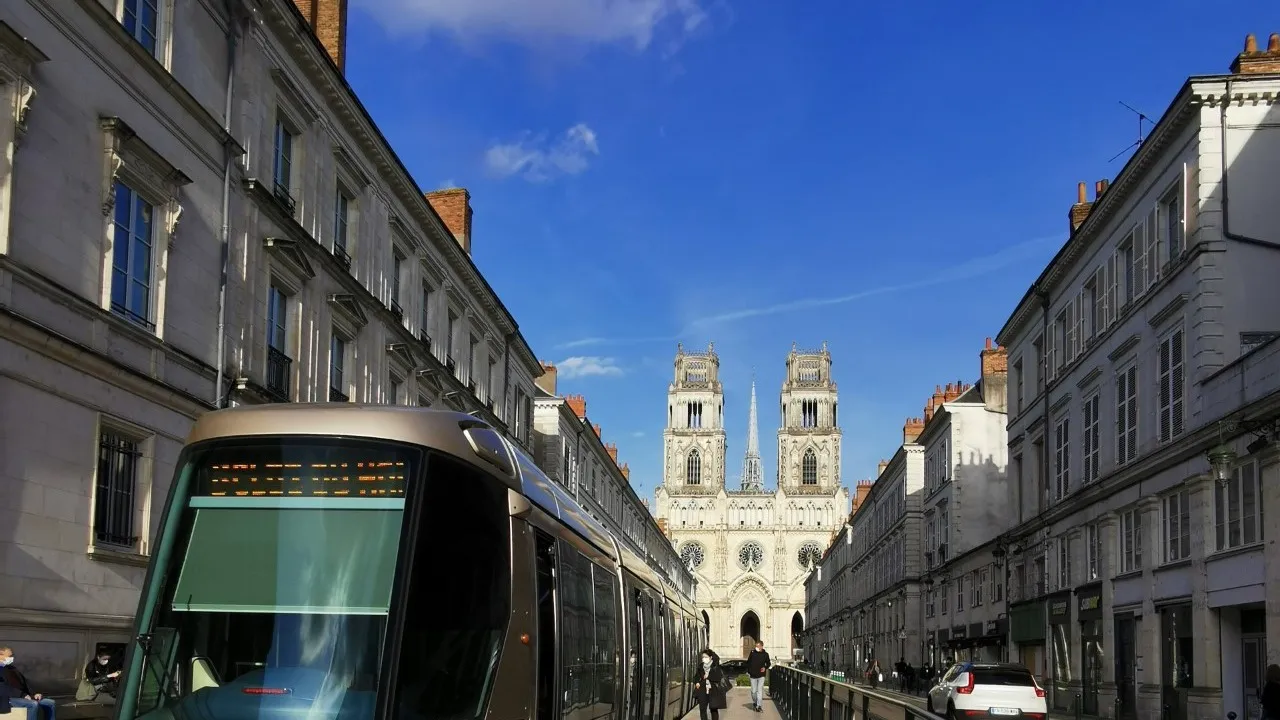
{"points": [[1127, 415], [997, 587], [278, 361], [944, 516], [1171, 221], [119, 464], [977, 585], [1177, 526], [1238, 508], [1090, 438], [1042, 363], [1018, 381], [1062, 459], [397, 268], [1131, 540], [1128, 258], [451, 331], [1172, 386], [1064, 562], [282, 167], [337, 368], [693, 468], [141, 19], [809, 467], [424, 332], [393, 393], [132, 259], [1093, 552], [473, 361]]}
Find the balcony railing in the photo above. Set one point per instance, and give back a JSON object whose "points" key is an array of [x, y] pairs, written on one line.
{"points": [[336, 395], [279, 370], [396, 310], [425, 338], [344, 258], [283, 196], [448, 363]]}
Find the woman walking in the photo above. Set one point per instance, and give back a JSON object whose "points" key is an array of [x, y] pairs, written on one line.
{"points": [[710, 691]]}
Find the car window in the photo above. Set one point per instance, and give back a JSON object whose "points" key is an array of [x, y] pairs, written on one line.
{"points": [[1010, 677], [952, 673]]}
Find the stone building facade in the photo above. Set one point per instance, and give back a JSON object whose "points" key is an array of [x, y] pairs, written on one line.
{"points": [[751, 548], [195, 212]]}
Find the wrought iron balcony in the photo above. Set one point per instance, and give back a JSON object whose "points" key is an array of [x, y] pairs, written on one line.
{"points": [[396, 310], [336, 395], [425, 338], [344, 258], [279, 372], [283, 196]]}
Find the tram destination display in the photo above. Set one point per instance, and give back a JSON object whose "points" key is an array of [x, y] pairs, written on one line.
{"points": [[357, 476]]}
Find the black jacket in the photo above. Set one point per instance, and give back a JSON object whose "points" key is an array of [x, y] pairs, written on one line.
{"points": [[1270, 698], [712, 680], [758, 663], [16, 681]]}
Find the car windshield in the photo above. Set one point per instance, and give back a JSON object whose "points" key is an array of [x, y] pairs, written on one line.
{"points": [[279, 558]]}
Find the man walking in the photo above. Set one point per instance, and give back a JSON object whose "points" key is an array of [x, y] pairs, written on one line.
{"points": [[757, 667]]}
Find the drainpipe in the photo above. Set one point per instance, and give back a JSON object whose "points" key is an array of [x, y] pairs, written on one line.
{"points": [[1226, 195], [224, 235], [1048, 426]]}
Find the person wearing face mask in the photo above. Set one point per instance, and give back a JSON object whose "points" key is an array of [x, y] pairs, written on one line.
{"points": [[104, 675], [20, 694], [709, 690]]}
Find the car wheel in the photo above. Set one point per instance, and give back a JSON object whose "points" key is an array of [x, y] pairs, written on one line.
{"points": [[951, 711]]}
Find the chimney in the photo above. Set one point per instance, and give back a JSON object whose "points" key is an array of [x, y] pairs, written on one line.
{"points": [[911, 430], [547, 383], [596, 427], [612, 449], [881, 466], [1080, 210], [626, 473], [328, 20], [662, 527], [454, 208], [995, 377], [1254, 61], [939, 397], [860, 495], [578, 404]]}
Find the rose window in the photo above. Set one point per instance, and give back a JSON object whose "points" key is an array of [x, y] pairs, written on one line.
{"points": [[692, 555], [751, 555], [809, 555]]}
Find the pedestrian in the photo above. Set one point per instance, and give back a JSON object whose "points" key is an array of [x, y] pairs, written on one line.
{"points": [[710, 692], [19, 690], [758, 665]]}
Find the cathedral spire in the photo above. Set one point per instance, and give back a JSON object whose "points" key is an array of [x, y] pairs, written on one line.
{"points": [[752, 475]]}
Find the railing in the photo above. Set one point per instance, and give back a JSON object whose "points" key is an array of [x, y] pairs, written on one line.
{"points": [[396, 310], [802, 695], [278, 367], [283, 196], [344, 257], [336, 395]]}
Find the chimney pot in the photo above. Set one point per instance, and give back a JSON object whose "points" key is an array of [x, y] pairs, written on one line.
{"points": [[988, 345], [1255, 61], [1250, 43], [1081, 195], [1273, 43]]}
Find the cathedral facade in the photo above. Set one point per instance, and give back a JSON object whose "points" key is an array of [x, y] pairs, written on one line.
{"points": [[752, 547]]}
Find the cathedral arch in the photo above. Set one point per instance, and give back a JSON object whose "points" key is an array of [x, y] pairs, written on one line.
{"points": [[749, 582], [809, 467], [693, 468]]}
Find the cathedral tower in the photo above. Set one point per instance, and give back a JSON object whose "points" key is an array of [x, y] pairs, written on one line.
{"points": [[693, 441], [752, 474], [809, 439]]}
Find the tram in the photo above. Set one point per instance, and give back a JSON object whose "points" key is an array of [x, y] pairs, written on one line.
{"points": [[366, 562]]}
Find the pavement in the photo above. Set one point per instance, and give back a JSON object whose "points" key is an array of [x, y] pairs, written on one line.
{"points": [[739, 707]]}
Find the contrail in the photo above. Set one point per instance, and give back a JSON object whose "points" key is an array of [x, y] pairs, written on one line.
{"points": [[970, 268]]}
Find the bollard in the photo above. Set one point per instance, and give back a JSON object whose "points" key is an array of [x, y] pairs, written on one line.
{"points": [[1167, 711], [1079, 707]]}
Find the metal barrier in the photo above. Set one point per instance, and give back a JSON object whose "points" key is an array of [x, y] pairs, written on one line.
{"points": [[802, 695]]}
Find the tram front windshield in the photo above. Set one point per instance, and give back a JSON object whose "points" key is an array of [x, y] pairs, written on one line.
{"points": [[274, 577]]}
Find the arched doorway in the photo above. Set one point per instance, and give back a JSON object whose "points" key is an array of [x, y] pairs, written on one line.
{"points": [[705, 635], [749, 631], [797, 631]]}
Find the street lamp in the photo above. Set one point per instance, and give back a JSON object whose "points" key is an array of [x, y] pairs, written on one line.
{"points": [[1222, 458]]}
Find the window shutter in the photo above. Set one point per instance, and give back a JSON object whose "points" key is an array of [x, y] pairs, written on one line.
{"points": [[1081, 328], [1050, 345], [1113, 291], [1132, 430], [1154, 245], [1139, 247], [1165, 416], [1178, 379], [1103, 280], [1069, 332]]}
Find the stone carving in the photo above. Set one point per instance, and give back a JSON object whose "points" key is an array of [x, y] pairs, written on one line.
{"points": [[26, 94], [114, 164], [175, 219]]}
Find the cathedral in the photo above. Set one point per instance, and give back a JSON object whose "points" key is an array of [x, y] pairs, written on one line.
{"points": [[750, 547]]}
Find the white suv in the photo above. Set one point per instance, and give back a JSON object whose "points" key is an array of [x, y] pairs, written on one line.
{"points": [[991, 691]]}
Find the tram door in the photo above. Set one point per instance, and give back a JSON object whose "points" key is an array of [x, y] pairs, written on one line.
{"points": [[545, 587], [635, 664]]}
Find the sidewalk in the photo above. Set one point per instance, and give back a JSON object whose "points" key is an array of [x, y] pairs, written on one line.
{"points": [[739, 707]]}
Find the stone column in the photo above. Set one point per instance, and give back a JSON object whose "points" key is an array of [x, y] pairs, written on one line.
{"points": [[1204, 698], [1108, 565], [1078, 539], [1148, 646]]}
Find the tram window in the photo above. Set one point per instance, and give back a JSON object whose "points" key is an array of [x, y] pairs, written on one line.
{"points": [[452, 639], [606, 589], [577, 632]]}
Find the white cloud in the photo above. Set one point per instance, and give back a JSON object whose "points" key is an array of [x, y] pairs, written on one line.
{"points": [[1029, 251], [638, 434], [586, 366], [594, 22], [537, 160]]}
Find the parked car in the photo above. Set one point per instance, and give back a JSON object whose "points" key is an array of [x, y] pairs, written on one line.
{"points": [[988, 690], [734, 668]]}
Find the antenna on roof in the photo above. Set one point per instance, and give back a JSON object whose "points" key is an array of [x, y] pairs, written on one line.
{"points": [[1142, 118]]}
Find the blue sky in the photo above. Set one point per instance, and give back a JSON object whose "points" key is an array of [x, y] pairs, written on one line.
{"points": [[887, 177]]}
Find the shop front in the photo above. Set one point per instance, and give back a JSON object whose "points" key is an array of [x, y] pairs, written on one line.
{"points": [[1027, 636], [960, 643], [1089, 615], [989, 639], [1126, 661], [1060, 649]]}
